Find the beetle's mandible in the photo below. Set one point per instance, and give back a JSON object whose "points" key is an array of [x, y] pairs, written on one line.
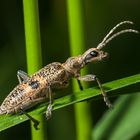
{"points": [[34, 89]]}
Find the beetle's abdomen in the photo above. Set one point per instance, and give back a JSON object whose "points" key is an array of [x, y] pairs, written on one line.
{"points": [[24, 93], [32, 91]]}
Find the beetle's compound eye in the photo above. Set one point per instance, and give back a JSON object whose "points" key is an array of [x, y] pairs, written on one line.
{"points": [[94, 53], [90, 56]]}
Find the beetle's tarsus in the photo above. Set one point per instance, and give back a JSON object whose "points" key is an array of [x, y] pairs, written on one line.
{"points": [[36, 125], [49, 111]]}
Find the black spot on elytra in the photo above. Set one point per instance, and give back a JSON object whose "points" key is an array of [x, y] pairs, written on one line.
{"points": [[34, 84]]}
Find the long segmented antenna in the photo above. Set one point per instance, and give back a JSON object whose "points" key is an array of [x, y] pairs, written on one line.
{"points": [[119, 33], [114, 28], [107, 39]]}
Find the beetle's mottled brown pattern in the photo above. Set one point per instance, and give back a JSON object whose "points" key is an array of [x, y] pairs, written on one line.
{"points": [[27, 93], [36, 88]]}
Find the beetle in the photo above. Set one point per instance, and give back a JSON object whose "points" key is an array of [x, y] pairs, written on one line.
{"points": [[34, 89]]}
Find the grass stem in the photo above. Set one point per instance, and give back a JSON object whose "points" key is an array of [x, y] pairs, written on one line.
{"points": [[77, 46], [33, 51]]}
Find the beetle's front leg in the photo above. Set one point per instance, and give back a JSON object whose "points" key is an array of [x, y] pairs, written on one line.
{"points": [[91, 77]]}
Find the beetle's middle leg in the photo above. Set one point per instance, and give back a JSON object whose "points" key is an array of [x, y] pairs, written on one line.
{"points": [[50, 107], [80, 85], [22, 76], [91, 77]]}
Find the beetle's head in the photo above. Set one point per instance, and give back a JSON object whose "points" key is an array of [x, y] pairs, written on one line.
{"points": [[93, 55]]}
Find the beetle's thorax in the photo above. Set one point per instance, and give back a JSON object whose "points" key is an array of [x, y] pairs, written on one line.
{"points": [[74, 64]]}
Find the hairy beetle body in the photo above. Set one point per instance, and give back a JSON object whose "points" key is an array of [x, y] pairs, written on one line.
{"points": [[36, 88]]}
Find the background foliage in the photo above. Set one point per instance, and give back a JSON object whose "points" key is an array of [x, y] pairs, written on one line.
{"points": [[100, 17]]}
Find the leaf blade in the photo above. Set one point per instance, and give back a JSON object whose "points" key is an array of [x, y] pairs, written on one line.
{"points": [[9, 121]]}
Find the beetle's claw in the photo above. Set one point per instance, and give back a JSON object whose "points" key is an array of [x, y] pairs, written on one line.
{"points": [[36, 125]]}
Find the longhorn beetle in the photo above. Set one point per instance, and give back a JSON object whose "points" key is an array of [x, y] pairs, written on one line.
{"points": [[34, 89]]}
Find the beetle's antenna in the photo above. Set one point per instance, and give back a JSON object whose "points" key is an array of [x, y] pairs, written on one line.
{"points": [[102, 44], [119, 33], [107, 39], [114, 28]]}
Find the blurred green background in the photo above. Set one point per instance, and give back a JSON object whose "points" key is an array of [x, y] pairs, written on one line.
{"points": [[100, 16]]}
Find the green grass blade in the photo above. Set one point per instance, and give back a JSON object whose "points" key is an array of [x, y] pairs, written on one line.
{"points": [[9, 121], [33, 51], [122, 122], [77, 46]]}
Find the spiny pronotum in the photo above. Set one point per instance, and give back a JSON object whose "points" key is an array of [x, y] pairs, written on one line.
{"points": [[34, 89]]}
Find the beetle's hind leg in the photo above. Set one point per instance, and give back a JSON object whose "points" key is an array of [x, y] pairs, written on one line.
{"points": [[27, 105], [22, 76], [36, 122]]}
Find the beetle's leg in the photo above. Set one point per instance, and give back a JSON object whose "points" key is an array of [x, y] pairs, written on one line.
{"points": [[36, 122], [91, 77], [80, 85], [27, 105], [22, 76], [49, 108]]}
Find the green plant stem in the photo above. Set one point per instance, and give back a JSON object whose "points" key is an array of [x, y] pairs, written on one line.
{"points": [[77, 46], [33, 51]]}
